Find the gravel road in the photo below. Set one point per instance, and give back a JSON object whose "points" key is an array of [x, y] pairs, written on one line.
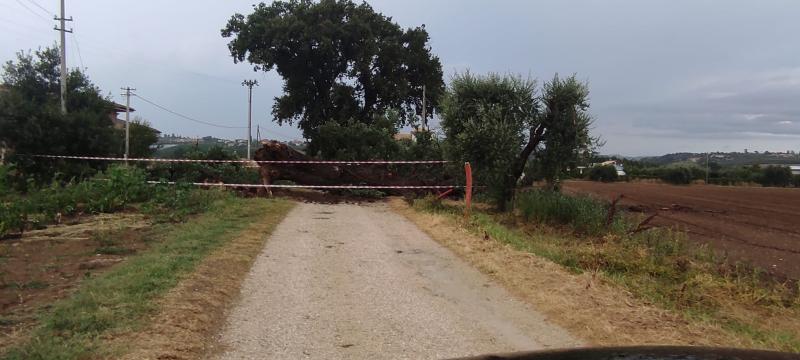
{"points": [[361, 282]]}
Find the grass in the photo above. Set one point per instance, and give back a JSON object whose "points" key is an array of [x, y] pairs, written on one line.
{"points": [[117, 301], [658, 265], [582, 213]]}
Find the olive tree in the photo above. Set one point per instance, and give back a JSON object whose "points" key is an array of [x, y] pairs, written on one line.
{"points": [[500, 122]]}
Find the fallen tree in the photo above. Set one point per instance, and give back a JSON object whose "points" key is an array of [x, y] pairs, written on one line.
{"points": [[340, 174]]}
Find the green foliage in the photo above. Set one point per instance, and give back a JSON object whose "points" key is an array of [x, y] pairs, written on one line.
{"points": [[5, 179], [232, 173], [142, 137], [677, 175], [605, 173], [31, 121], [173, 203], [119, 187], [494, 122], [340, 61], [561, 130], [356, 140], [776, 176], [582, 213], [484, 119]]}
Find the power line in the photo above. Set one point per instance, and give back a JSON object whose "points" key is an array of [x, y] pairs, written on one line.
{"points": [[187, 117], [41, 7], [277, 133], [78, 48], [33, 12]]}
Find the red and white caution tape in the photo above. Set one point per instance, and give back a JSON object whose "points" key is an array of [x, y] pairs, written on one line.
{"points": [[331, 162], [376, 187]]}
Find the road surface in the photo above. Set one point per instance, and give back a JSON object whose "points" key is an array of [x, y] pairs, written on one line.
{"points": [[361, 282]]}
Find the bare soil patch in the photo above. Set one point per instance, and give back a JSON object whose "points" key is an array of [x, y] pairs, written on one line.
{"points": [[584, 304], [43, 266], [750, 224]]}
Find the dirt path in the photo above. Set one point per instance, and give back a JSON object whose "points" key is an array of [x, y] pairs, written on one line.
{"points": [[359, 281]]}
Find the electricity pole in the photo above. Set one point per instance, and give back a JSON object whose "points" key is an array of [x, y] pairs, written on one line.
{"points": [[707, 156], [249, 84], [64, 32], [258, 133], [127, 95]]}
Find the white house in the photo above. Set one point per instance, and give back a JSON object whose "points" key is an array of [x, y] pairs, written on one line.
{"points": [[617, 165]]}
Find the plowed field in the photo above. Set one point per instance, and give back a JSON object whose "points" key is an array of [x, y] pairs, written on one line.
{"points": [[752, 224]]}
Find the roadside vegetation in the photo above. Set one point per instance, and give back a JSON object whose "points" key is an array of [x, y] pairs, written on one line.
{"points": [[118, 188], [116, 302], [657, 265]]}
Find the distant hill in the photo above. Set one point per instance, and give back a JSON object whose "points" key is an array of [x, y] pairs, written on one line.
{"points": [[726, 159]]}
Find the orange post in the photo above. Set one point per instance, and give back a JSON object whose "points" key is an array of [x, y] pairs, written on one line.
{"points": [[468, 190]]}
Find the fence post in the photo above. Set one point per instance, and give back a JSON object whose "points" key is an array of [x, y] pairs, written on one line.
{"points": [[468, 190]]}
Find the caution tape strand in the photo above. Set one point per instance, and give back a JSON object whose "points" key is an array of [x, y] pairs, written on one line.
{"points": [[328, 162], [377, 187]]}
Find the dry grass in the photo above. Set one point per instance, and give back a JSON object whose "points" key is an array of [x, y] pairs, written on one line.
{"points": [[192, 313], [587, 305]]}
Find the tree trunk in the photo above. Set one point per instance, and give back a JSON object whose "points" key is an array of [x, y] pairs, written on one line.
{"points": [[516, 169]]}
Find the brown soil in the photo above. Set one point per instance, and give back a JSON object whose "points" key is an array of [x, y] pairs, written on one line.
{"points": [[586, 305], [750, 224], [43, 266]]}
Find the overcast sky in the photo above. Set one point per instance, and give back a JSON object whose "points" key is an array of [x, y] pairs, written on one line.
{"points": [[665, 76]]}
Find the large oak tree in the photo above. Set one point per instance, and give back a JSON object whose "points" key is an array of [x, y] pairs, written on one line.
{"points": [[340, 61]]}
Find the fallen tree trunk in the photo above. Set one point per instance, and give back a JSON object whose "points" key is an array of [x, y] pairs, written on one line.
{"points": [[336, 174]]}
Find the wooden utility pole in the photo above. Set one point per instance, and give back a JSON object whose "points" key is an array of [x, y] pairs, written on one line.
{"points": [[64, 31], [249, 84], [127, 95]]}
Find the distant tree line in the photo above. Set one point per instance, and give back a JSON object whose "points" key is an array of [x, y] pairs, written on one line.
{"points": [[684, 173]]}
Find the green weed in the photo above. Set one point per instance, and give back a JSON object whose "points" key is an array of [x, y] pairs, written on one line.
{"points": [[119, 299]]}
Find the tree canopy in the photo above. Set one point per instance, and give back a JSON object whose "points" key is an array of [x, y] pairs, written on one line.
{"points": [[31, 121], [340, 62], [498, 122]]}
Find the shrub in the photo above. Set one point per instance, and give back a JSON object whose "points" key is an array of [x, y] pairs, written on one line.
{"points": [[605, 173], [582, 213], [5, 183], [233, 173], [678, 175], [776, 176]]}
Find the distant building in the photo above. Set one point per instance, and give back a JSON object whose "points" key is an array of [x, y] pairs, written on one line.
{"points": [[404, 136], [412, 136], [117, 109], [617, 166]]}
